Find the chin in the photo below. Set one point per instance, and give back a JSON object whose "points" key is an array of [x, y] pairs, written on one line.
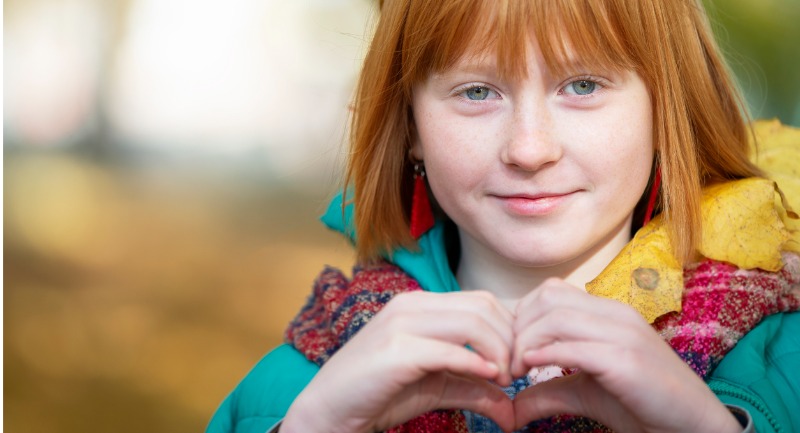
{"points": [[539, 260]]}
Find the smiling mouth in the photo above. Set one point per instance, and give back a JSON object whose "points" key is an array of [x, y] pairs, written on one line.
{"points": [[534, 205]]}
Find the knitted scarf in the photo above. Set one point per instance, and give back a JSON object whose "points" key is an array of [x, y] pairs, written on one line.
{"points": [[720, 304]]}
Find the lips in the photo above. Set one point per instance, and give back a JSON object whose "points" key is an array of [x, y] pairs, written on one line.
{"points": [[539, 196], [539, 204]]}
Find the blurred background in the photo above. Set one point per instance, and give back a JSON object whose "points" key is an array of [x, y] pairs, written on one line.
{"points": [[164, 164]]}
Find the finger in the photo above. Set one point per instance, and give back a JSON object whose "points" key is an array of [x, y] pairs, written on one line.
{"points": [[470, 320], [550, 290], [569, 325], [469, 330], [398, 359], [371, 383], [449, 391], [453, 327], [619, 391], [605, 362], [414, 357], [554, 294], [554, 397], [623, 370], [480, 397], [479, 303]]}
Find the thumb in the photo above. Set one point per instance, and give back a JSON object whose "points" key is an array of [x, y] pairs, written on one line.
{"points": [[554, 397], [479, 396]]}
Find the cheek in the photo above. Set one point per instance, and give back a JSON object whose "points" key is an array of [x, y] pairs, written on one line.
{"points": [[453, 153], [633, 151], [631, 133], [618, 152], [639, 147], [634, 162], [448, 173]]}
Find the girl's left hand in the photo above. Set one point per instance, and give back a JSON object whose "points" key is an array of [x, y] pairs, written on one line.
{"points": [[629, 379]]}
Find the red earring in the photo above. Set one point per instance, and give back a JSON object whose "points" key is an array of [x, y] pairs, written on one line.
{"points": [[421, 213], [651, 202]]}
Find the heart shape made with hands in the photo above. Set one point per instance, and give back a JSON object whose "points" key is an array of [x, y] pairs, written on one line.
{"points": [[620, 371], [542, 399], [545, 397], [628, 375], [571, 345], [538, 376]]}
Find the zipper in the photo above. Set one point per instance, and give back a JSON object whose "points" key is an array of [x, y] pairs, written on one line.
{"points": [[731, 390]]}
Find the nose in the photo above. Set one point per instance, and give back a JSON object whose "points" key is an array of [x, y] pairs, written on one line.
{"points": [[531, 143]]}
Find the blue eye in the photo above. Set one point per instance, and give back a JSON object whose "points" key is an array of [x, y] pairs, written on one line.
{"points": [[581, 87], [477, 93]]}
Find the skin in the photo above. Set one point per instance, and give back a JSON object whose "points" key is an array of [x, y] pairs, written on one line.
{"points": [[540, 179], [541, 176], [630, 379], [417, 363]]}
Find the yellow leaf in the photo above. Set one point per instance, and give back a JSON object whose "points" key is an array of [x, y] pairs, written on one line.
{"points": [[644, 275], [746, 223], [778, 154], [741, 224]]}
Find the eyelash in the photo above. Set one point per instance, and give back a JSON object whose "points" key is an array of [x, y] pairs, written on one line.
{"points": [[459, 91], [599, 82]]}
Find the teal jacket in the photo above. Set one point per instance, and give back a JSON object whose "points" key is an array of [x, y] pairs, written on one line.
{"points": [[761, 374]]}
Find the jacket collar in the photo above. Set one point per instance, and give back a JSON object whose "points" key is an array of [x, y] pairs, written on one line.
{"points": [[428, 265]]}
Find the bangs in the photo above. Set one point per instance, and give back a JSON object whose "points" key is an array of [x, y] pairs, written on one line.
{"points": [[570, 33], [699, 132], [594, 33]]}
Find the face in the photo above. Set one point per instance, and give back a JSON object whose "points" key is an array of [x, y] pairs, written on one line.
{"points": [[540, 171]]}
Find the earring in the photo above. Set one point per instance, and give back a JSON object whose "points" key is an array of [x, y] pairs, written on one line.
{"points": [[651, 201], [421, 213]]}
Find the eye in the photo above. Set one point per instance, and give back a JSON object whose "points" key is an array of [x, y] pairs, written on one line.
{"points": [[581, 87], [477, 93]]}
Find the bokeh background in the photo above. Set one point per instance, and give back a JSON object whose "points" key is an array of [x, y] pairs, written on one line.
{"points": [[164, 164]]}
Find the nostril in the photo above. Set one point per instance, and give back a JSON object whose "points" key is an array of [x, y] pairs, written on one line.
{"points": [[531, 154]]}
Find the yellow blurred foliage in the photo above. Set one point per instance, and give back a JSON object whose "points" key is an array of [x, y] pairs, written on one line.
{"points": [[145, 294]]}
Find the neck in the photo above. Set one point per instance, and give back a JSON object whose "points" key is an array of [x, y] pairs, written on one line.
{"points": [[481, 269]]}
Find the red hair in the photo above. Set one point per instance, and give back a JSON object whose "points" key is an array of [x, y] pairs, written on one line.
{"points": [[700, 131]]}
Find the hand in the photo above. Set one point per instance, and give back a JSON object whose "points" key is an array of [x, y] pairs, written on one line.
{"points": [[409, 359], [629, 379]]}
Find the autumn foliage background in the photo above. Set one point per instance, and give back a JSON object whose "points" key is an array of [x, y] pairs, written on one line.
{"points": [[165, 162]]}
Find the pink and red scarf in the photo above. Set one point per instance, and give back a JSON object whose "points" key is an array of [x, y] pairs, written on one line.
{"points": [[720, 304]]}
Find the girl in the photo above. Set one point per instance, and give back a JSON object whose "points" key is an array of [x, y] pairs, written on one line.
{"points": [[545, 135]]}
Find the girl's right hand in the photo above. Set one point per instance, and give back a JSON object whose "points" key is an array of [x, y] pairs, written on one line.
{"points": [[410, 359]]}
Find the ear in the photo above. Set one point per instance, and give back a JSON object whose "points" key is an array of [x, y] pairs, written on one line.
{"points": [[415, 150]]}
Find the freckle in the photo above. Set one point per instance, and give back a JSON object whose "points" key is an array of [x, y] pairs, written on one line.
{"points": [[646, 278]]}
